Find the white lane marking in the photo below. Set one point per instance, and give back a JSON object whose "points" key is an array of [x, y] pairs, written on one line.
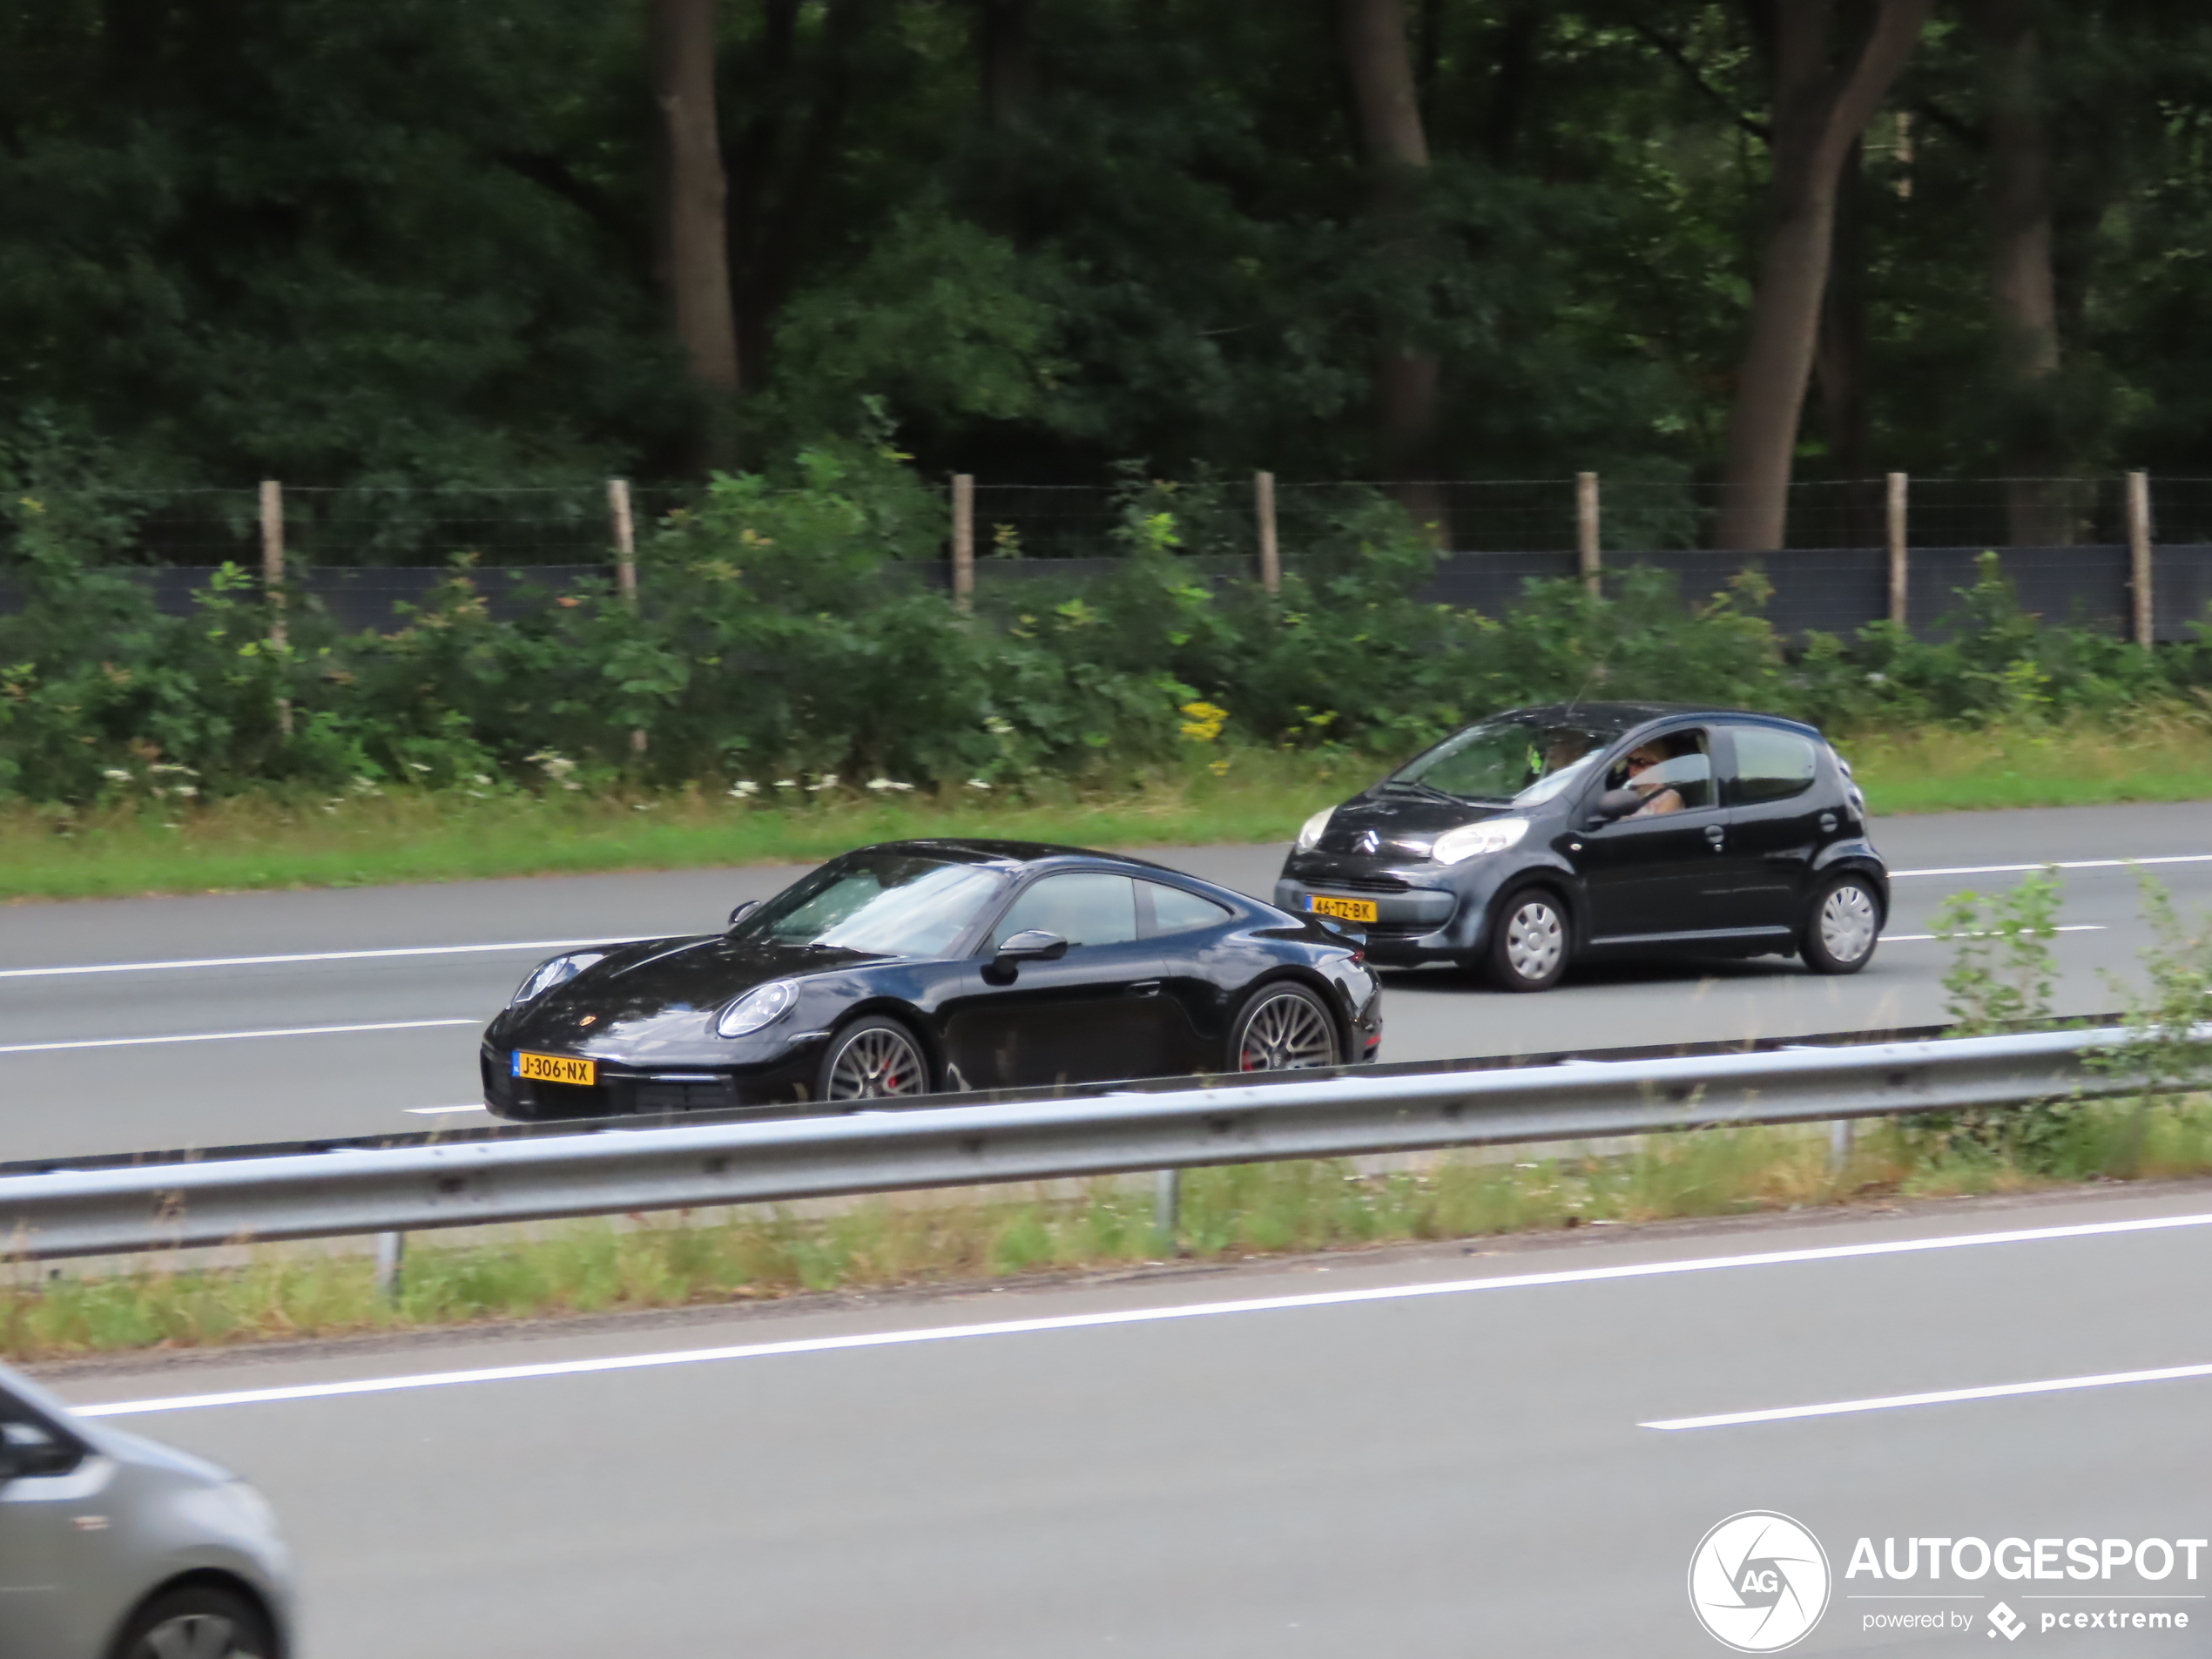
{"points": [[225, 1036], [1138, 1316], [1919, 939], [308, 956], [1937, 1397], [2058, 864], [434, 1111]]}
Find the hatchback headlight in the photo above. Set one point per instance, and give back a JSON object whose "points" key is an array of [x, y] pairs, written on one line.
{"points": [[763, 1005], [559, 971], [1309, 836], [1493, 835]]}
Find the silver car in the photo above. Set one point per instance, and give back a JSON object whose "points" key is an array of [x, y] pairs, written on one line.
{"points": [[116, 1548]]}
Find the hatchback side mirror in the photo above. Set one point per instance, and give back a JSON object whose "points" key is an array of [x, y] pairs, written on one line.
{"points": [[1033, 946], [22, 1458], [743, 911], [1614, 804]]}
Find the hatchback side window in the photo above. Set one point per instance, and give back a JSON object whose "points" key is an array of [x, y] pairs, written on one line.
{"points": [[1175, 910], [1770, 765], [1673, 772], [1083, 908]]}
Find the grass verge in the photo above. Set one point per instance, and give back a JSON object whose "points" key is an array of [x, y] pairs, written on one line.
{"points": [[1239, 1212], [375, 839]]}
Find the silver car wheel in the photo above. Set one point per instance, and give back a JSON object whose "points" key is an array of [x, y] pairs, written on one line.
{"points": [[1535, 940], [1847, 923], [192, 1635], [1286, 1033], [875, 1064]]}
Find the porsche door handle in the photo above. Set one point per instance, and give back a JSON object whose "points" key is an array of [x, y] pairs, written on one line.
{"points": [[1146, 988]]}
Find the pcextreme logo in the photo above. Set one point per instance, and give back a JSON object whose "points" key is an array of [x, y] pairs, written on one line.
{"points": [[1758, 1581]]}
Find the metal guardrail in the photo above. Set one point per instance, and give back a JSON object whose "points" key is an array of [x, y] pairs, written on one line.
{"points": [[77, 1212]]}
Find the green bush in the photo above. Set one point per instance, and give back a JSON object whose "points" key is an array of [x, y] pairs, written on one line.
{"points": [[789, 631]]}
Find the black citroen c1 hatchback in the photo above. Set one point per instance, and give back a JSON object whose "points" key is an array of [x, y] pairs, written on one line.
{"points": [[1545, 835]]}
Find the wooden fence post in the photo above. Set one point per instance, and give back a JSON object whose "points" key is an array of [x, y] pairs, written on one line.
{"points": [[626, 532], [1899, 569], [272, 585], [1271, 555], [2139, 556], [964, 541], [1586, 528]]}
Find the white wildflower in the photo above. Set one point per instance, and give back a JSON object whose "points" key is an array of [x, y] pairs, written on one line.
{"points": [[744, 786], [186, 789], [977, 783], [479, 778], [785, 783], [998, 727], [417, 765], [116, 775]]}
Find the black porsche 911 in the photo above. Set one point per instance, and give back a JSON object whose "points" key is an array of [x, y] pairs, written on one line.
{"points": [[1545, 834], [914, 966]]}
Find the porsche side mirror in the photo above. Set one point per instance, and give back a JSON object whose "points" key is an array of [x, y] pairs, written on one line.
{"points": [[1033, 946], [1614, 804], [743, 911]]}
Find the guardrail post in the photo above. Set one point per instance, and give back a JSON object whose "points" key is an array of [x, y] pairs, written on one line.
{"points": [[964, 541], [1586, 529], [1842, 1133], [1271, 555], [391, 1256], [1167, 1205], [272, 584], [2139, 556]]}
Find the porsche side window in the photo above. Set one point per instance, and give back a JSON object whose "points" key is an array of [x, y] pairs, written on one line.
{"points": [[1770, 765], [1083, 908], [1175, 910]]}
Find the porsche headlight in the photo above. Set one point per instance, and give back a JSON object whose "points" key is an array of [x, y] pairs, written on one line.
{"points": [[1310, 836], [1472, 841], [761, 1006], [559, 971]]}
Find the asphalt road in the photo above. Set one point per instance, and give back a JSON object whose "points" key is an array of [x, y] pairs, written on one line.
{"points": [[1449, 1452], [358, 1042]]}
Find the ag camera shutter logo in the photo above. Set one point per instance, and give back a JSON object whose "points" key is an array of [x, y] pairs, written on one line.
{"points": [[1758, 1581]]}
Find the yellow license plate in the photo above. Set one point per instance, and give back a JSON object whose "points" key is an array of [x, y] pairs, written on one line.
{"points": [[1322, 904], [556, 1068]]}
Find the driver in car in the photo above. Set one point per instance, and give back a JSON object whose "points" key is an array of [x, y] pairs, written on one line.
{"points": [[1646, 771]]}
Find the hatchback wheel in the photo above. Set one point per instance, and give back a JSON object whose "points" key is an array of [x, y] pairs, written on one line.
{"points": [[198, 1621], [1528, 946], [1841, 926], [875, 1058], [1283, 1027]]}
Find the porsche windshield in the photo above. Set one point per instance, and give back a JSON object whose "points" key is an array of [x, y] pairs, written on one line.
{"points": [[1505, 760], [885, 904]]}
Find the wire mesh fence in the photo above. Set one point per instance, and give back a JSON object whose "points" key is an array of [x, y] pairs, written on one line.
{"points": [[367, 552]]}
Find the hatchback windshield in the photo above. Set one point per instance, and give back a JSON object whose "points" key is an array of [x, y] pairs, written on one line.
{"points": [[887, 904], [1506, 760]]}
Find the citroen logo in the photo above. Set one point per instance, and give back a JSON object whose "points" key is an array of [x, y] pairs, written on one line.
{"points": [[1368, 842]]}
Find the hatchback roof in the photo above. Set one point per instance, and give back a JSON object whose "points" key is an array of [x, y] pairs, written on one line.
{"points": [[1624, 716]]}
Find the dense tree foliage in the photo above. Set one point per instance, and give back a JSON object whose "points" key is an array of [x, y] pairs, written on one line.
{"points": [[341, 240]]}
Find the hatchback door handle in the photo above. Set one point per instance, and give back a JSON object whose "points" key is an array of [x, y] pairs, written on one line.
{"points": [[1146, 988]]}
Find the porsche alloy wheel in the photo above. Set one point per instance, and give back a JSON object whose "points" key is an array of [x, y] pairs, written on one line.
{"points": [[875, 1059], [1285, 1028]]}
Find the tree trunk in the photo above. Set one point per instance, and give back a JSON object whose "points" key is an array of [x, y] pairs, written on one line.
{"points": [[1821, 101], [694, 196], [1839, 365], [1006, 50], [1387, 103], [2021, 283]]}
